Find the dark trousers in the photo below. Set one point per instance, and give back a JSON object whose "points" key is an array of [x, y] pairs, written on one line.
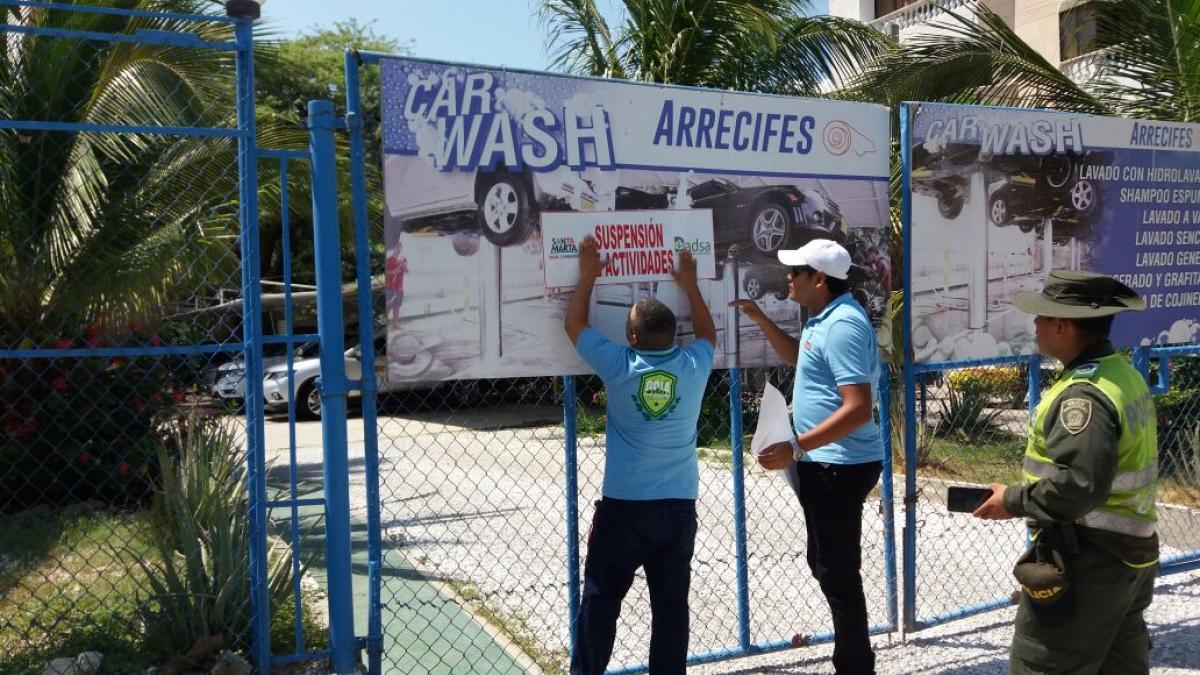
{"points": [[832, 496], [658, 535], [1106, 633]]}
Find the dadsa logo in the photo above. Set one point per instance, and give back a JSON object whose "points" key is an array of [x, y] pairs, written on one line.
{"points": [[563, 245], [696, 246]]}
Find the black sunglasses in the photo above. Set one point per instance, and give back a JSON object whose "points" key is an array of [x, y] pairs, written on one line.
{"points": [[797, 269]]}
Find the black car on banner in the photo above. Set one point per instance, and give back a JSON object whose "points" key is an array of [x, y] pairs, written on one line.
{"points": [[1051, 186], [760, 220]]}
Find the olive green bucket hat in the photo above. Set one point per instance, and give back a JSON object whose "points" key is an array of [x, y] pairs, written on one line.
{"points": [[1079, 295]]}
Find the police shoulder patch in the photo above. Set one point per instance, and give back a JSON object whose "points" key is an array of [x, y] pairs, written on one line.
{"points": [[1075, 414], [1088, 369]]}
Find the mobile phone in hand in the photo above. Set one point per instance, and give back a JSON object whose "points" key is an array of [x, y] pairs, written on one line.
{"points": [[965, 499]]}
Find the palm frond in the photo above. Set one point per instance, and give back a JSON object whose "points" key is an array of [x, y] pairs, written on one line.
{"points": [[977, 60], [579, 38], [1149, 60], [813, 56], [91, 219]]}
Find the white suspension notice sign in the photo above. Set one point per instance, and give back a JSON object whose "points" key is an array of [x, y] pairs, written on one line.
{"points": [[634, 245]]}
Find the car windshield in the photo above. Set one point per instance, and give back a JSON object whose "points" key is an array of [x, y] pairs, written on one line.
{"points": [[711, 187], [308, 350]]}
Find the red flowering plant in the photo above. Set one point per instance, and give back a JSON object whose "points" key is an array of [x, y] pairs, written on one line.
{"points": [[76, 428]]}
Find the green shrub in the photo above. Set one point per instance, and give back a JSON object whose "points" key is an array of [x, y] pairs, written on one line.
{"points": [[1177, 411], [81, 429], [969, 410], [1002, 383], [201, 586]]}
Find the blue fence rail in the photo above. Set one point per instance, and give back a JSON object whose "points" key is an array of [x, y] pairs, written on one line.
{"points": [[423, 525]]}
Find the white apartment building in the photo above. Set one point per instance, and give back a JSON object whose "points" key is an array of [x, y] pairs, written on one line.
{"points": [[1060, 30]]}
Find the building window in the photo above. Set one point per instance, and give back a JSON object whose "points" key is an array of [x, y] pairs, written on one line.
{"points": [[885, 7], [1077, 30]]}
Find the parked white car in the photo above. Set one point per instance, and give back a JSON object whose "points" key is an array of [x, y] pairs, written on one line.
{"points": [[230, 381], [304, 381]]}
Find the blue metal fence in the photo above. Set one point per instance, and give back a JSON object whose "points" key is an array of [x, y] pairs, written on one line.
{"points": [[418, 520], [753, 626]]}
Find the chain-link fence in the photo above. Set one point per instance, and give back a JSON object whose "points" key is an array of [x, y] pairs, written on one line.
{"points": [[125, 521], [970, 431], [1178, 408], [971, 422], [474, 491]]}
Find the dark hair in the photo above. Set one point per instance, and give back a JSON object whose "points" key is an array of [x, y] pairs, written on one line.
{"points": [[1095, 329], [654, 324], [836, 286]]}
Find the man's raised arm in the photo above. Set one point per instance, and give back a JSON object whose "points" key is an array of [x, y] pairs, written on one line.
{"points": [[702, 321], [589, 270]]}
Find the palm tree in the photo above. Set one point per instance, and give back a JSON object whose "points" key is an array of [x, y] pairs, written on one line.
{"points": [[747, 45], [102, 227], [1147, 64]]}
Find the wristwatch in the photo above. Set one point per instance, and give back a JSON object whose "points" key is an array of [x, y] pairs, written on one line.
{"points": [[797, 451]]}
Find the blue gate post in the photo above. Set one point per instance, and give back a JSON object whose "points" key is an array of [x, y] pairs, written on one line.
{"points": [[887, 498], [572, 471], [366, 290], [252, 336], [334, 386], [910, 380], [739, 508]]}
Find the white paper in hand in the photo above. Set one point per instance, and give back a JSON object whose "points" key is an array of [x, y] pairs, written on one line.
{"points": [[774, 422]]}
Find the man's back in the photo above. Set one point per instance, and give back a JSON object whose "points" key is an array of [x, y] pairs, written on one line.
{"points": [[654, 399]]}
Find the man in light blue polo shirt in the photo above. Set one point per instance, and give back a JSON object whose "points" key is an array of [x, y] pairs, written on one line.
{"points": [[837, 454], [647, 517]]}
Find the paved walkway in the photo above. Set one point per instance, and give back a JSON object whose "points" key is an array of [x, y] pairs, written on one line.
{"points": [[429, 632]]}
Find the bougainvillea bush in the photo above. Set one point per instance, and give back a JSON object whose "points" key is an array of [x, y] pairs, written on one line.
{"points": [[77, 429]]}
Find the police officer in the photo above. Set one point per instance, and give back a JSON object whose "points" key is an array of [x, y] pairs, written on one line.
{"points": [[1088, 495]]}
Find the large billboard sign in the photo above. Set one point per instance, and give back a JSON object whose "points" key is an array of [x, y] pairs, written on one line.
{"points": [[492, 176], [999, 197]]}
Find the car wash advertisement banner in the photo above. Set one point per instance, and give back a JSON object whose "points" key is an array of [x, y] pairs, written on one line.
{"points": [[999, 197], [492, 178]]}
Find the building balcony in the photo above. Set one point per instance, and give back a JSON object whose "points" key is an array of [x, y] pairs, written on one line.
{"points": [[917, 13]]}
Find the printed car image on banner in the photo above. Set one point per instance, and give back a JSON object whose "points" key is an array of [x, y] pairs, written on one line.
{"points": [[482, 167], [1001, 196]]}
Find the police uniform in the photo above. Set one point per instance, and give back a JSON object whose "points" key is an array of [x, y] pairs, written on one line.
{"points": [[1090, 471]]}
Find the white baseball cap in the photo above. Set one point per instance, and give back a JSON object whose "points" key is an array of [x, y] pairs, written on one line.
{"points": [[823, 255]]}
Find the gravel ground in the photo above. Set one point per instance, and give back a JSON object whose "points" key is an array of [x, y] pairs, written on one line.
{"points": [[485, 507], [979, 644]]}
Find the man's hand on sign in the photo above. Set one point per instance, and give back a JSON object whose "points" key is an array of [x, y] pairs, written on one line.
{"points": [[992, 508], [750, 308], [685, 275], [776, 456], [589, 258]]}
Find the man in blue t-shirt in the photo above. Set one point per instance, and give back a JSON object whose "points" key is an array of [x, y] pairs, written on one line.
{"points": [[837, 454], [647, 517]]}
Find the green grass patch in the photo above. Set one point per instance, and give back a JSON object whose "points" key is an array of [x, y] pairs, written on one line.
{"points": [[590, 423], [69, 583], [997, 461], [512, 626]]}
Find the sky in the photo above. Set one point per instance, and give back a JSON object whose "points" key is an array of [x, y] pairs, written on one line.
{"points": [[487, 32]]}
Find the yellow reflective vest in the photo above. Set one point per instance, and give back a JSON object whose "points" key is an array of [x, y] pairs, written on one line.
{"points": [[1129, 508]]}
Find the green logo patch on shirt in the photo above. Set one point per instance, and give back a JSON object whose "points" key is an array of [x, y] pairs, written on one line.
{"points": [[655, 396]]}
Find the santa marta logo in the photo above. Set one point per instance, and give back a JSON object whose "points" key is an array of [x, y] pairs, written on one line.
{"points": [[656, 397]]}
